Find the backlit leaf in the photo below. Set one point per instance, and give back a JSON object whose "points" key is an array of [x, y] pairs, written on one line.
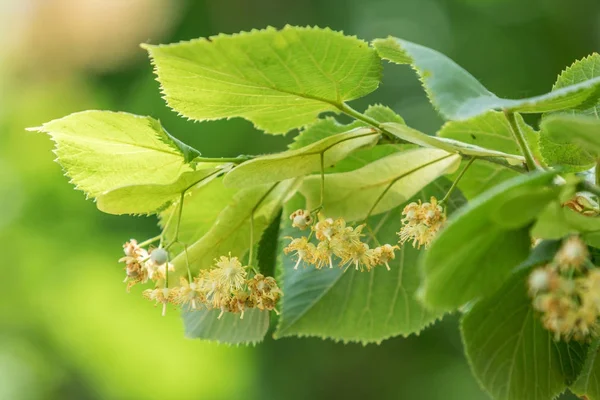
{"points": [[149, 199], [101, 151], [278, 79], [303, 161], [351, 195]]}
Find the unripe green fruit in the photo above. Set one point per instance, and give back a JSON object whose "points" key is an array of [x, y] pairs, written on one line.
{"points": [[159, 256]]}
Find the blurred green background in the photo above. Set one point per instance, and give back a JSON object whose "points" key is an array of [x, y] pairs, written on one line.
{"points": [[68, 328]]}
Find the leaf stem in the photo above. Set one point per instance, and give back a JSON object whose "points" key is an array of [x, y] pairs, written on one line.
{"points": [[597, 172], [521, 141], [149, 241], [346, 109], [455, 183]]}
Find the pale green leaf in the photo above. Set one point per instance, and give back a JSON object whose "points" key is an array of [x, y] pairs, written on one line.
{"points": [[588, 382], [450, 145], [300, 162], [329, 126], [362, 157], [201, 207], [457, 95], [511, 354], [230, 329], [278, 79], [350, 195], [230, 232], [352, 306], [149, 199], [102, 151], [484, 241]]}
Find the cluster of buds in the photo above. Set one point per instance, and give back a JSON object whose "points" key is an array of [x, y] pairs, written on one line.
{"points": [[225, 287], [567, 293], [337, 239], [142, 265], [421, 222]]}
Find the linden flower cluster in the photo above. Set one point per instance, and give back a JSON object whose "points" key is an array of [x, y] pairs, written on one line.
{"points": [[421, 222], [226, 286], [567, 293], [337, 239], [142, 265]]}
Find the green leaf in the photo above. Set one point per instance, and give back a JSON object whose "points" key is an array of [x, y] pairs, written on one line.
{"points": [[511, 354], [457, 95], [560, 151], [230, 232], [150, 199], [450, 145], [101, 151], [484, 241], [198, 214], [588, 382], [580, 71], [352, 306], [568, 130], [362, 157], [329, 126], [277, 79], [490, 130], [300, 162], [230, 329], [350, 195], [557, 221]]}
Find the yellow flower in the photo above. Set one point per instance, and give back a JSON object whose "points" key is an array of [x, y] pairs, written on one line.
{"points": [[264, 292], [229, 272], [303, 249], [322, 255], [191, 294], [421, 222], [572, 254], [162, 296], [382, 255]]}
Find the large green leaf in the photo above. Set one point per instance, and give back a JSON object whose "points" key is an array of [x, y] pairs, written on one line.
{"points": [[510, 352], [588, 382], [278, 79], [484, 241], [229, 329], [450, 145], [328, 126], [102, 151], [457, 95], [560, 151], [492, 131], [149, 199], [354, 306], [351, 195], [300, 162]]}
